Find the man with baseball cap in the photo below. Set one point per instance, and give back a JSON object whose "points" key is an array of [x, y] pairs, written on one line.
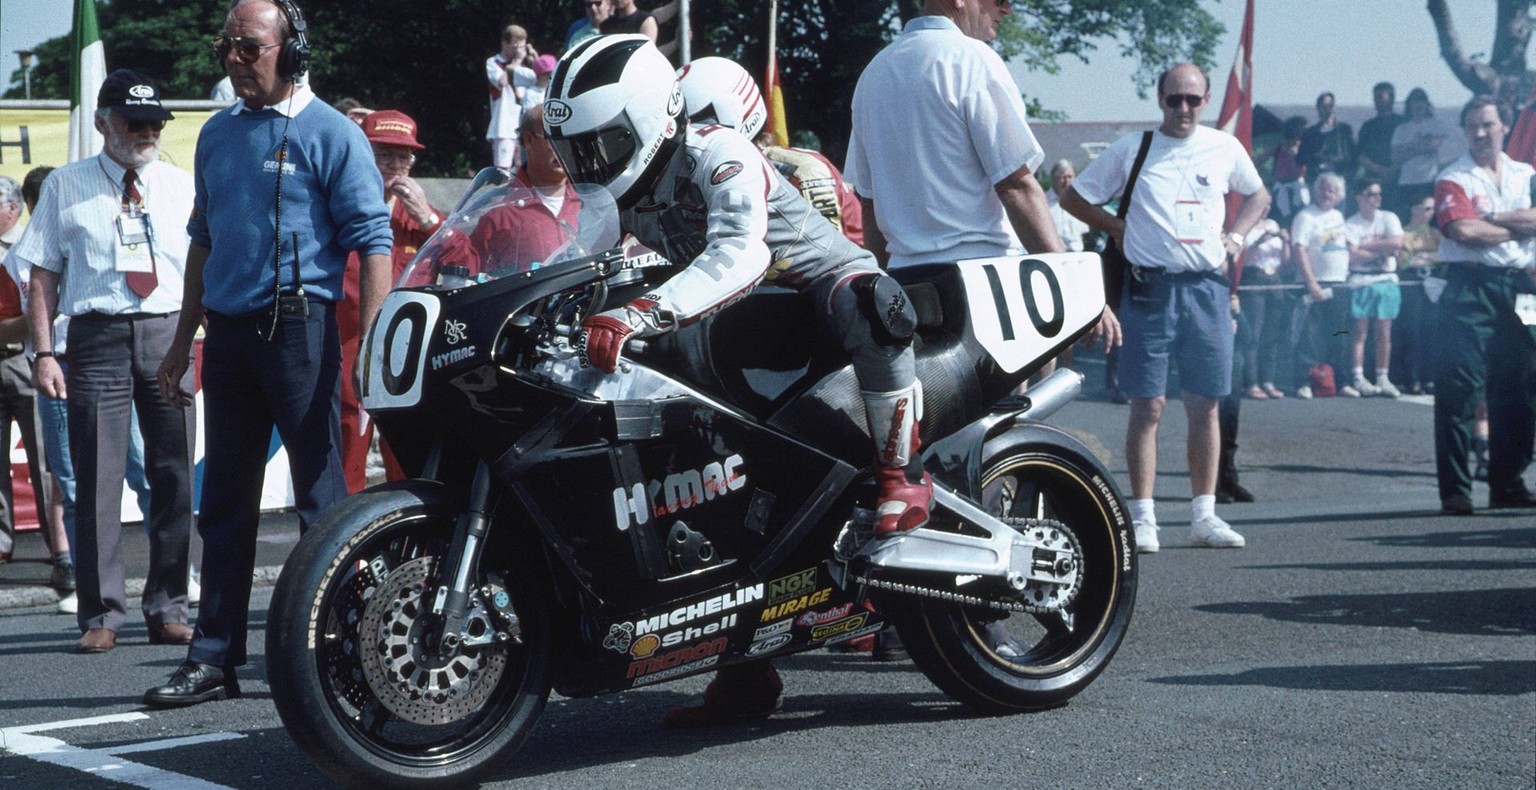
{"points": [[412, 219], [115, 224]]}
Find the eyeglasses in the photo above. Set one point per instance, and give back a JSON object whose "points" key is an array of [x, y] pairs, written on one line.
{"points": [[134, 127], [248, 50], [1371, 193], [1176, 100]]}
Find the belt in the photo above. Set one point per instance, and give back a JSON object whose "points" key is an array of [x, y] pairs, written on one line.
{"points": [[1146, 273], [10, 350], [99, 316]]}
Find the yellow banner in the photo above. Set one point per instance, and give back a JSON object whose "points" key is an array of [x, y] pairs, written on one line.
{"points": [[31, 138]]}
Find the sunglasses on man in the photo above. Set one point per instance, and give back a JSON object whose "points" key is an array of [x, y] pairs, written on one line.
{"points": [[1176, 100], [135, 127], [247, 50]]}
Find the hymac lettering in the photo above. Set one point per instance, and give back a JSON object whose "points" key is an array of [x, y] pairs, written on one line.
{"points": [[453, 357], [678, 492]]}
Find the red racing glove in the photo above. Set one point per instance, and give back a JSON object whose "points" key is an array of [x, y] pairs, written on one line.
{"points": [[603, 335]]}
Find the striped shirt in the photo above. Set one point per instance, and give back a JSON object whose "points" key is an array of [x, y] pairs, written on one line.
{"points": [[73, 232]]}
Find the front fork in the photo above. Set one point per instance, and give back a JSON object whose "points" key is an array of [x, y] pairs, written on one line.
{"points": [[453, 599]]}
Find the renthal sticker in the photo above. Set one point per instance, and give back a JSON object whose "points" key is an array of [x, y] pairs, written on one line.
{"points": [[865, 631], [676, 658], [796, 605], [453, 357], [682, 615], [726, 172], [766, 646], [817, 618], [774, 629], [678, 492], [682, 635], [791, 586], [843, 626]]}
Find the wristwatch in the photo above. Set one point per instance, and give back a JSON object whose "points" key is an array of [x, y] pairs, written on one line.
{"points": [[1236, 238]]}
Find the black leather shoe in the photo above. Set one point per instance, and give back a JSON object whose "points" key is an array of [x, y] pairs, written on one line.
{"points": [[1456, 506], [193, 683], [1240, 494], [1520, 498]]}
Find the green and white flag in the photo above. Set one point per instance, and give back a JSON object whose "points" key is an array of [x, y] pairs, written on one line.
{"points": [[87, 70]]}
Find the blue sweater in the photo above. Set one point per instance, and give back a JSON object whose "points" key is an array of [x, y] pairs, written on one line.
{"points": [[333, 197]]}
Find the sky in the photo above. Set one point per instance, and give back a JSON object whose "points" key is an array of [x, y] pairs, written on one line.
{"points": [[1301, 48]]}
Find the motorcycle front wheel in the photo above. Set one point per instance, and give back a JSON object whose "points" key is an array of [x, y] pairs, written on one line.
{"points": [[1002, 662], [351, 651]]}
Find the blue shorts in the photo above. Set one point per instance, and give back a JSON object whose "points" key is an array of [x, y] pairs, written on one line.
{"points": [[1381, 300], [1181, 317]]}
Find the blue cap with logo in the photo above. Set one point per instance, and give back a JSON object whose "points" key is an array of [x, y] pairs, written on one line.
{"points": [[132, 95]]}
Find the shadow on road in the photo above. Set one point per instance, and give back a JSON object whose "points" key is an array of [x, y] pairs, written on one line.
{"points": [[1500, 678], [1524, 538], [1506, 612]]}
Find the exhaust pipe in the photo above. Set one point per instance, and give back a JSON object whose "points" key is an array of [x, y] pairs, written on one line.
{"points": [[1055, 391]]}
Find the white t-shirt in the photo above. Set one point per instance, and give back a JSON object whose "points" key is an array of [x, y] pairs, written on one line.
{"points": [[1421, 168], [1069, 228], [1179, 205], [1322, 234], [1265, 256], [1384, 225], [937, 122], [505, 111]]}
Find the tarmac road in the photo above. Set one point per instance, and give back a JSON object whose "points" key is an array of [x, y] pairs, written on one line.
{"points": [[1361, 640]]}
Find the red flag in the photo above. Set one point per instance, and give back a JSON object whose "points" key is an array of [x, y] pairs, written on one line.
{"points": [[1236, 116], [777, 125], [1521, 146]]}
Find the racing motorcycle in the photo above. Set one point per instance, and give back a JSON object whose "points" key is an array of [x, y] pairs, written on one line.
{"points": [[706, 505]]}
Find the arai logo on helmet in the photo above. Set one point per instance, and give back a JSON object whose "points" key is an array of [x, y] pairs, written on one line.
{"points": [[141, 92], [675, 101], [556, 111]]}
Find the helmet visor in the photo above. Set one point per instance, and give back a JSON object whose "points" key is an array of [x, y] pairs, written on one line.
{"points": [[596, 157]]}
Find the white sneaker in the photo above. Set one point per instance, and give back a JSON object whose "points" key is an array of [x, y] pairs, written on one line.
{"points": [[1386, 389], [69, 604], [1146, 537], [1214, 533], [1347, 391], [1366, 388], [1304, 392]]}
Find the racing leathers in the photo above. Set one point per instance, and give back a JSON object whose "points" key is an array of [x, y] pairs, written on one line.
{"points": [[722, 206]]}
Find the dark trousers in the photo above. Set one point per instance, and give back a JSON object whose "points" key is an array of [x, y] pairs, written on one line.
{"points": [[1320, 333], [1229, 412], [1268, 315], [112, 366], [1482, 346], [16, 401], [250, 386], [1413, 345]]}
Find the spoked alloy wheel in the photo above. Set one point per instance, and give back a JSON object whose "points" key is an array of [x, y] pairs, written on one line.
{"points": [[354, 668], [1001, 661]]}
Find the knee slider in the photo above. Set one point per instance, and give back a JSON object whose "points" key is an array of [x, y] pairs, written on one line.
{"points": [[884, 304]]}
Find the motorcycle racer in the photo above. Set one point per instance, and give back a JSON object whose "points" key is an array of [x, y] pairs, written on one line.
{"points": [[705, 196]]}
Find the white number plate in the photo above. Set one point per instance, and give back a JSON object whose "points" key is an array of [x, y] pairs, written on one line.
{"points": [[1022, 307]]}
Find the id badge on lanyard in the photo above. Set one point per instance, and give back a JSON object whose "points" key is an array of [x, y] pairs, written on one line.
{"points": [[134, 239], [1189, 222]]}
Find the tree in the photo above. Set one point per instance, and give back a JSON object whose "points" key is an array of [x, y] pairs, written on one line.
{"points": [[1502, 74], [427, 59]]}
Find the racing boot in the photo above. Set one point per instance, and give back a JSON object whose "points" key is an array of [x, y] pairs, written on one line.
{"points": [[905, 491], [739, 693]]}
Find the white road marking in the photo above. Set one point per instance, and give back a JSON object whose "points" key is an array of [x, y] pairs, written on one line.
{"points": [[104, 763]]}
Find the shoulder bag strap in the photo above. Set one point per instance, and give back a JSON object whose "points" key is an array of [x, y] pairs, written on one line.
{"points": [[1130, 187]]}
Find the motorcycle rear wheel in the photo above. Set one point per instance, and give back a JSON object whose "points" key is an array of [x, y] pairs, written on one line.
{"points": [[1002, 662], [332, 705]]}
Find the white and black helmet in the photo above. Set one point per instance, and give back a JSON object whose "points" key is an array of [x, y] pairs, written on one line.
{"points": [[614, 114], [718, 90]]}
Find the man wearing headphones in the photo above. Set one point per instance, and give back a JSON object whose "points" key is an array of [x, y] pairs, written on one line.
{"points": [[286, 187]]}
